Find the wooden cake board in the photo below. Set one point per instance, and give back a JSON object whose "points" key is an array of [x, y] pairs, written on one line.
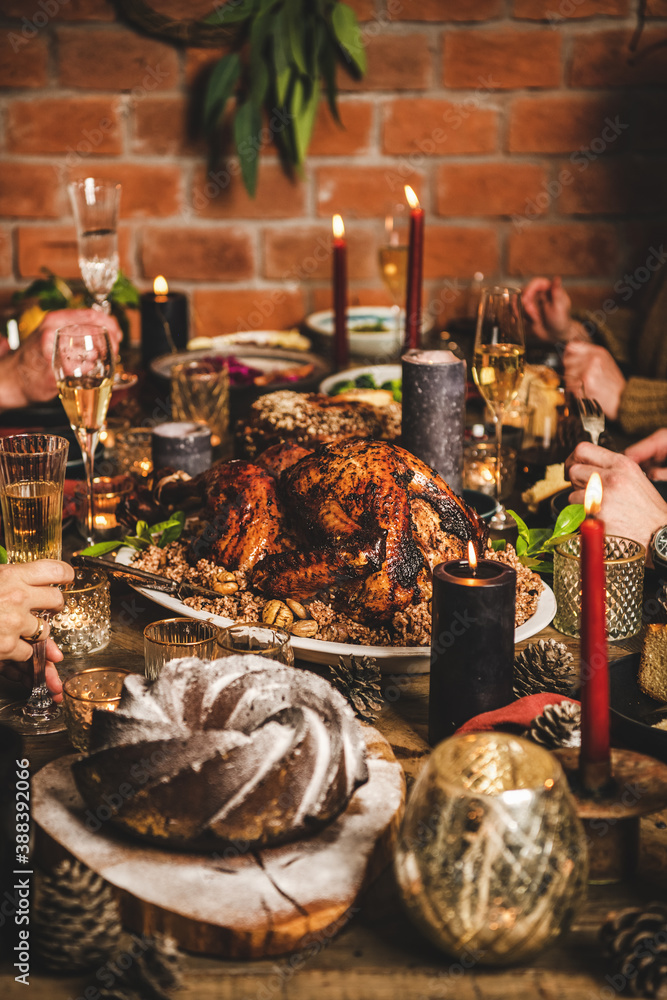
{"points": [[232, 904]]}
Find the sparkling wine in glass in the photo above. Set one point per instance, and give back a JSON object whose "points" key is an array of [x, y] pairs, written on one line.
{"points": [[83, 364], [393, 257], [95, 204], [498, 366], [32, 475]]}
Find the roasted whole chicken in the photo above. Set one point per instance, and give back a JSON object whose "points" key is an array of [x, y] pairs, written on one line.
{"points": [[363, 521]]}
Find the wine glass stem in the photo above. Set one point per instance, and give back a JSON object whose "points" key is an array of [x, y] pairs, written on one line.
{"points": [[40, 702], [88, 441], [498, 421]]}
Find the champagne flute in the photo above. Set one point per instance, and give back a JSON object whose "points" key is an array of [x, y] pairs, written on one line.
{"points": [[393, 256], [95, 204], [32, 475], [83, 364], [498, 366]]}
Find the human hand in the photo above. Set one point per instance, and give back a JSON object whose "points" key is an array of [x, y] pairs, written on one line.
{"points": [[631, 506], [33, 361], [651, 454], [23, 672], [547, 306], [598, 373], [24, 587]]}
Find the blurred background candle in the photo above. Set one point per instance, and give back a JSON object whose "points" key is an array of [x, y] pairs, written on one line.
{"points": [[109, 491], [340, 293], [183, 445], [164, 321], [413, 302], [472, 642], [434, 384]]}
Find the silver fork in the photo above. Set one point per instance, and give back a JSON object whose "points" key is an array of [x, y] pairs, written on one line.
{"points": [[591, 416]]}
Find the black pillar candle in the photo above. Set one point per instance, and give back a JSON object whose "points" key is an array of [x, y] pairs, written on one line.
{"points": [[472, 643], [184, 445], [434, 389], [164, 324]]}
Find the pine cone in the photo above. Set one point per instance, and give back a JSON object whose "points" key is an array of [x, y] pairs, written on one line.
{"points": [[359, 683], [546, 665], [154, 973], [76, 919], [636, 941], [558, 726]]}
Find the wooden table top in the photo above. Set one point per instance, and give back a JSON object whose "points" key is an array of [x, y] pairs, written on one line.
{"points": [[378, 955]]}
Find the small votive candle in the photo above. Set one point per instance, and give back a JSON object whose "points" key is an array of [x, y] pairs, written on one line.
{"points": [[96, 688], [83, 625], [109, 492]]}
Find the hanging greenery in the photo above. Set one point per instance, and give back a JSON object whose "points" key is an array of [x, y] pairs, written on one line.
{"points": [[285, 52]]}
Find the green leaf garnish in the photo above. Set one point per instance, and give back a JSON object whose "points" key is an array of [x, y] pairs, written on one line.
{"points": [[3, 555], [534, 543], [100, 549]]}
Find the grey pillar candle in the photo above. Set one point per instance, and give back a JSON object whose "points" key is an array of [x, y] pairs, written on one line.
{"points": [[184, 445], [434, 388]]}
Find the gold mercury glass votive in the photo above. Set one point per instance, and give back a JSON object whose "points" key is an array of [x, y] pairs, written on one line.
{"points": [[97, 687], [624, 579], [84, 623], [173, 638], [133, 451], [258, 639]]}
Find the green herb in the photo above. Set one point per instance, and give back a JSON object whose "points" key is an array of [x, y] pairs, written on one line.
{"points": [[533, 544], [159, 534], [367, 381], [3, 555]]}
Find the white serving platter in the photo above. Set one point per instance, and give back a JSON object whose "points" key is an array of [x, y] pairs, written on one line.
{"points": [[392, 659]]}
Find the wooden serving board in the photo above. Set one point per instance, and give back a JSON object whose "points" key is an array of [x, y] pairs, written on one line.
{"points": [[230, 904]]}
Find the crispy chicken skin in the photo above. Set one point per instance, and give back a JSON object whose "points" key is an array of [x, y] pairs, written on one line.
{"points": [[375, 520]]}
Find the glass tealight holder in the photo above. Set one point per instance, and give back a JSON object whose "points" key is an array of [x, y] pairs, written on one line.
{"points": [[133, 451], [84, 623], [479, 468], [95, 688], [200, 392], [624, 579], [173, 638], [257, 639], [109, 491]]}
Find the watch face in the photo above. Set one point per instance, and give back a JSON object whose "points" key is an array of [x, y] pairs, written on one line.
{"points": [[660, 544]]}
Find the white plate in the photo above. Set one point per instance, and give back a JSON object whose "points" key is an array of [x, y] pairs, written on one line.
{"points": [[290, 340], [392, 659], [371, 343], [381, 373]]}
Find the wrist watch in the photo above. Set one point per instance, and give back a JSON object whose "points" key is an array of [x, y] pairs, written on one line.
{"points": [[658, 548]]}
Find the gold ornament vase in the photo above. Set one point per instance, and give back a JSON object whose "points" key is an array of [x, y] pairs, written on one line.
{"points": [[491, 860]]}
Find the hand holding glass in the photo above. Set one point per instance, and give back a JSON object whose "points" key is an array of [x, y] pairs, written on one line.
{"points": [[83, 364]]}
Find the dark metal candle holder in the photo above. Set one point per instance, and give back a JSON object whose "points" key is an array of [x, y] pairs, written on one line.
{"points": [[611, 816]]}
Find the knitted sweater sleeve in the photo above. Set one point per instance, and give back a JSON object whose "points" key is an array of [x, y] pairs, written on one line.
{"points": [[643, 407]]}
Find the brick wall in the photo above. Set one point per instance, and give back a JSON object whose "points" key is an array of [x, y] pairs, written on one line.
{"points": [[533, 142]]}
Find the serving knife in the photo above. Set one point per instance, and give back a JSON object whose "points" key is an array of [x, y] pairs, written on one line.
{"points": [[132, 574]]}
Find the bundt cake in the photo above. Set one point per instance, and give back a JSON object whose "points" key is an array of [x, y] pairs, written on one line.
{"points": [[231, 750]]}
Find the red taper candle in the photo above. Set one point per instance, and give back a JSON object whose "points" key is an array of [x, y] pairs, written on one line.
{"points": [[340, 293], [413, 302], [594, 757]]}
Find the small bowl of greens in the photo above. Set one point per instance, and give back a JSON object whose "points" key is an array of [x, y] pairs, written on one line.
{"points": [[370, 377]]}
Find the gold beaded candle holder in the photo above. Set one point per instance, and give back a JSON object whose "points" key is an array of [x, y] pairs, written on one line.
{"points": [[95, 688], [84, 623], [173, 638], [258, 639], [624, 577]]}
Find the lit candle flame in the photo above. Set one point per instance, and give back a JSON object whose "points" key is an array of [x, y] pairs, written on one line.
{"points": [[160, 286], [593, 496], [472, 557], [413, 200], [338, 227]]}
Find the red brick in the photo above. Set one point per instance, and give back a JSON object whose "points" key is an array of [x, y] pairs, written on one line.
{"points": [[487, 188], [227, 310], [445, 10], [147, 191], [70, 10], [502, 59], [367, 193], [305, 253], [364, 295], [83, 125], [117, 59], [23, 60], [437, 128], [221, 194], [30, 191], [602, 59], [574, 249], [657, 8], [329, 139], [459, 251], [55, 247], [220, 254], [547, 10], [5, 253], [199, 63], [161, 128], [395, 62], [561, 124], [614, 187], [364, 9]]}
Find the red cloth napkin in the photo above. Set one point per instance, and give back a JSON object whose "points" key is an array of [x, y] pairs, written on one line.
{"points": [[519, 713]]}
